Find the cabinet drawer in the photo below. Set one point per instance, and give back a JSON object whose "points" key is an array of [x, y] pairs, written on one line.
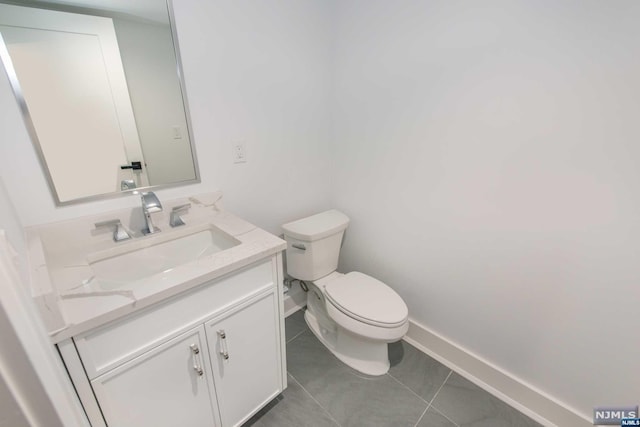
{"points": [[108, 346]]}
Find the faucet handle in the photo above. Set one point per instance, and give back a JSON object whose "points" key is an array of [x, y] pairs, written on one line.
{"points": [[175, 220], [119, 232]]}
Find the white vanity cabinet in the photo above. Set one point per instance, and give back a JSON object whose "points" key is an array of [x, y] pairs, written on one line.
{"points": [[167, 386], [210, 356], [243, 354]]}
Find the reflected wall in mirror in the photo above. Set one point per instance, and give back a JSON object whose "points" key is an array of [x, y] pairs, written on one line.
{"points": [[98, 82]]}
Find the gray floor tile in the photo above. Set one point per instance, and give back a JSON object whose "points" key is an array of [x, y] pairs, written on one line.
{"points": [[294, 325], [308, 360], [293, 408], [421, 373], [433, 418], [330, 393], [468, 405], [353, 399]]}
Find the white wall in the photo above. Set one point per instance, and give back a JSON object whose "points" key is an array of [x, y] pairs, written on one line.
{"points": [[487, 154], [10, 223], [23, 384], [33, 384], [259, 72], [256, 72], [10, 413]]}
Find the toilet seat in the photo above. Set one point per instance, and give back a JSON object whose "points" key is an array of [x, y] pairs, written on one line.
{"points": [[367, 300]]}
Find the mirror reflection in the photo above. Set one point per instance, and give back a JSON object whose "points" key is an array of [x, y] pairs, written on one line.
{"points": [[98, 84]]}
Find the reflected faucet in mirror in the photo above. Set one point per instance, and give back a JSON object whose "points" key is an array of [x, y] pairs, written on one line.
{"points": [[127, 184]]}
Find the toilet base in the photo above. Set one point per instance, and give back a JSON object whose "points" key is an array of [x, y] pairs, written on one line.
{"points": [[367, 356]]}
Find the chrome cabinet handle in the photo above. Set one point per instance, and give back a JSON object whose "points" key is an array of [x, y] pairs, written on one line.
{"points": [[299, 246], [224, 352], [196, 350]]}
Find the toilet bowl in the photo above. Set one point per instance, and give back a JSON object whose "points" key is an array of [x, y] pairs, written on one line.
{"points": [[354, 315]]}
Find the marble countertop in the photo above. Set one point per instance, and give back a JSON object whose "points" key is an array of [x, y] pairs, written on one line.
{"points": [[72, 300]]}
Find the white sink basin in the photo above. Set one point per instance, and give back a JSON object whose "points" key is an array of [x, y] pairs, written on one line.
{"points": [[160, 254]]}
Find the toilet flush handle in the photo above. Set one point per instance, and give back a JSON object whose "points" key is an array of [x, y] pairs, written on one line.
{"points": [[299, 246]]}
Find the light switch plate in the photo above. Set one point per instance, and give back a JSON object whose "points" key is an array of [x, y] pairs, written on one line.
{"points": [[239, 152]]}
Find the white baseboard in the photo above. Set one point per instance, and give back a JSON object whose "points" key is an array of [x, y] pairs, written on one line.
{"points": [[532, 402]]}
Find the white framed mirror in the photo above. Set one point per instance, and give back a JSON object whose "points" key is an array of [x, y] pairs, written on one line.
{"points": [[100, 89]]}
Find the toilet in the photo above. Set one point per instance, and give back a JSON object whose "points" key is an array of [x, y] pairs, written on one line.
{"points": [[354, 315]]}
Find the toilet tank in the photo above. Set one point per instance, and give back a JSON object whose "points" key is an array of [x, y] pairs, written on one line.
{"points": [[313, 244]]}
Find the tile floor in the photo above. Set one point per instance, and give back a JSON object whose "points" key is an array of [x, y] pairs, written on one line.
{"points": [[417, 392]]}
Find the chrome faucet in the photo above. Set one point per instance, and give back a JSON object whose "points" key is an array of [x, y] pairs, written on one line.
{"points": [[150, 204]]}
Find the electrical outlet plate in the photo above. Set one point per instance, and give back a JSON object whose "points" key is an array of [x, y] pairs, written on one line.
{"points": [[239, 152], [177, 132]]}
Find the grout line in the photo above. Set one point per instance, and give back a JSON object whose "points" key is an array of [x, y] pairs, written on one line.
{"points": [[314, 399], [443, 415], [434, 398], [440, 388], [407, 387], [415, 394], [296, 336], [422, 416], [429, 403]]}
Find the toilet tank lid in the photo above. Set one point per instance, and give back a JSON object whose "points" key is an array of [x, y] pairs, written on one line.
{"points": [[317, 226]]}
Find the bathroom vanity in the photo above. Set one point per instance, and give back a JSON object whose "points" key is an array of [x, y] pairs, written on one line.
{"points": [[162, 317], [184, 327]]}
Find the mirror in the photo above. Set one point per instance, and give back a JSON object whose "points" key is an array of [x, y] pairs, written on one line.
{"points": [[99, 85]]}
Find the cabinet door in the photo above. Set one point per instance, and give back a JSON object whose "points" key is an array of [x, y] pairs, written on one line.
{"points": [[244, 347], [170, 386]]}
